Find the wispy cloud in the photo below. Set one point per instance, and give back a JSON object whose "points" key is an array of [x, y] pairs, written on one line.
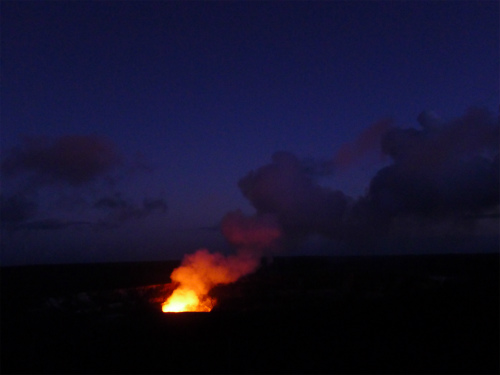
{"points": [[39, 173]]}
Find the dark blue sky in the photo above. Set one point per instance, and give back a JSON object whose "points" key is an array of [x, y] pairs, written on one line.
{"points": [[127, 126]]}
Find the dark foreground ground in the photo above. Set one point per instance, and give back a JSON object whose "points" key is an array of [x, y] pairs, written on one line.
{"points": [[430, 314]]}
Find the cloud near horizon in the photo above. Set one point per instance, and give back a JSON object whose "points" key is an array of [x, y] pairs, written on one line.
{"points": [[41, 171], [286, 189], [72, 159], [120, 210], [441, 171]]}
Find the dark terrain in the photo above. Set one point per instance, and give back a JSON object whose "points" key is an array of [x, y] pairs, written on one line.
{"points": [[400, 314]]}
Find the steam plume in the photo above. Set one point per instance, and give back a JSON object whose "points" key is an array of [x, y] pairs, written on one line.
{"points": [[444, 169], [285, 188], [202, 270]]}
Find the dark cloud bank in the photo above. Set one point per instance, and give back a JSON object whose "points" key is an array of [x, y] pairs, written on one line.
{"points": [[75, 159], [86, 164], [440, 172]]}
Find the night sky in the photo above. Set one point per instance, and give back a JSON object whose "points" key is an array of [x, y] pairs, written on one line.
{"points": [[131, 130]]}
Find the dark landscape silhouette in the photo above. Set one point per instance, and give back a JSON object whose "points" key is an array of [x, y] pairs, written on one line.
{"points": [[381, 314]]}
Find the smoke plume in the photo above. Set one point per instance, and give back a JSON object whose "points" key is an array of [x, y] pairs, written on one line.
{"points": [[443, 169], [201, 271], [286, 189]]}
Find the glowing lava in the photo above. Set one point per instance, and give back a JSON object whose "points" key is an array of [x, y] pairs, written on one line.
{"points": [[202, 270], [199, 273], [186, 300]]}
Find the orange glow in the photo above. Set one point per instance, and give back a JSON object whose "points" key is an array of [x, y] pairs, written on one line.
{"points": [[199, 273], [186, 300]]}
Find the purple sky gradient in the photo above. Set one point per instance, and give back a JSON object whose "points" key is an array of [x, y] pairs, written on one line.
{"points": [[131, 129]]}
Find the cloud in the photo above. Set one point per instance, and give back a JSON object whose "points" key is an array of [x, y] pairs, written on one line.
{"points": [[366, 143], [255, 234], [112, 203], [18, 212], [443, 170], [16, 209], [119, 210], [52, 184], [71, 159], [155, 204], [438, 143], [51, 224], [286, 189]]}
